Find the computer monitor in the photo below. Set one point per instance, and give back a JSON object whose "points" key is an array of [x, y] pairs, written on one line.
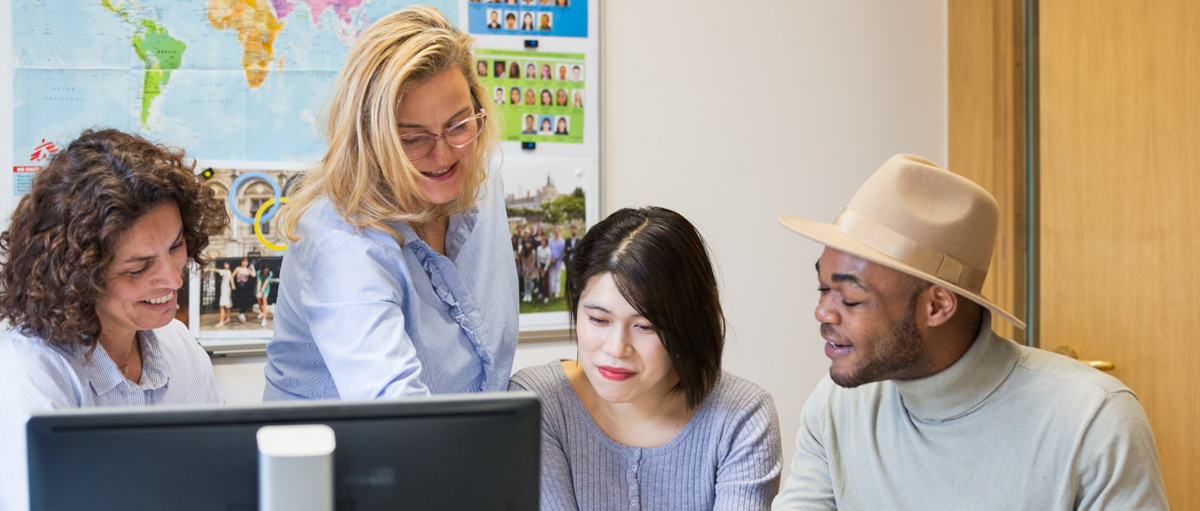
{"points": [[471, 452]]}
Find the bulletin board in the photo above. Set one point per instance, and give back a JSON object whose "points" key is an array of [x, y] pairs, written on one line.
{"points": [[187, 73]]}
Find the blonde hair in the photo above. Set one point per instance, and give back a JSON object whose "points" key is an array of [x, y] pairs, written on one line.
{"points": [[365, 174]]}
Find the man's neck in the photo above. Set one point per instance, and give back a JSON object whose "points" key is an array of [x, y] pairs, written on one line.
{"points": [[950, 341]]}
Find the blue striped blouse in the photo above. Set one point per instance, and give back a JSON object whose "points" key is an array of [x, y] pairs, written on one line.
{"points": [[361, 317], [43, 377]]}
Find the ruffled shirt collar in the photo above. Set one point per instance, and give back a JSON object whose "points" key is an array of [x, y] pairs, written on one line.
{"points": [[966, 385], [459, 228]]}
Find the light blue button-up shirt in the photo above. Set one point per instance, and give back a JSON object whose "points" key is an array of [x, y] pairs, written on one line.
{"points": [[361, 317], [41, 377]]}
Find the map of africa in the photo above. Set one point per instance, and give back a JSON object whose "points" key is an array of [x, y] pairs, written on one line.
{"points": [[227, 80]]}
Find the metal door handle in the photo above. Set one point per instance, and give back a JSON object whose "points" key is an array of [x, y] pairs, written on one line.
{"points": [[1102, 365]]}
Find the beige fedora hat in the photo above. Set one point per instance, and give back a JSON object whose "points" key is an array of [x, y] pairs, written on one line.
{"points": [[916, 217]]}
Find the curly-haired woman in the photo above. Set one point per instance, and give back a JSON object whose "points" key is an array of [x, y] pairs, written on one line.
{"points": [[92, 261]]}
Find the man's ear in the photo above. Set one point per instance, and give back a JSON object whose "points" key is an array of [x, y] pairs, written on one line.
{"points": [[940, 304]]}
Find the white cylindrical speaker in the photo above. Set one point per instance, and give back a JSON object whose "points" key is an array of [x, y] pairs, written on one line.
{"points": [[295, 468]]}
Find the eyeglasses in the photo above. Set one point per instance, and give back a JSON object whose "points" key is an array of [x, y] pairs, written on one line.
{"points": [[458, 136]]}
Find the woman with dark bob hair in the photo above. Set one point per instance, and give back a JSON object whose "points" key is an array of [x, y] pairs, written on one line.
{"points": [[646, 418], [92, 261]]}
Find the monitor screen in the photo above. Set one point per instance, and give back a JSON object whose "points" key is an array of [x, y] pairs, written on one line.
{"points": [[477, 452]]}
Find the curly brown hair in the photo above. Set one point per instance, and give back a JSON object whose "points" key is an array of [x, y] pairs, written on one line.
{"points": [[58, 248]]}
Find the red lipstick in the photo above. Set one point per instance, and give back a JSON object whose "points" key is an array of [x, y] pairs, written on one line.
{"points": [[614, 373]]}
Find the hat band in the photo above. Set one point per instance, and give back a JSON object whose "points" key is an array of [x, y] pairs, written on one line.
{"points": [[909, 252]]}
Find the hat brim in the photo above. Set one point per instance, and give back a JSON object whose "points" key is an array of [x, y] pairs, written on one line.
{"points": [[830, 236]]}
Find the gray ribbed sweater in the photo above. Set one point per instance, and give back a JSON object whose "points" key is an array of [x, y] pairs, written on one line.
{"points": [[726, 458], [1005, 428]]}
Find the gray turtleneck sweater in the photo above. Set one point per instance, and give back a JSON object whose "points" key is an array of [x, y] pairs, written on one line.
{"points": [[1006, 427]]}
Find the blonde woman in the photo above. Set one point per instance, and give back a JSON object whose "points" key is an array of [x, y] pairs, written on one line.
{"points": [[399, 279]]}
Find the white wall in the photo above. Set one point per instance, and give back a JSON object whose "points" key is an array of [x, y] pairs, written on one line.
{"points": [[735, 113]]}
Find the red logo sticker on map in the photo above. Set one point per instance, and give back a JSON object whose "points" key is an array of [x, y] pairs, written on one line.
{"points": [[43, 151]]}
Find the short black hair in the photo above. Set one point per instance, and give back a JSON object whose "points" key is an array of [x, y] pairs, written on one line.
{"points": [[661, 266]]}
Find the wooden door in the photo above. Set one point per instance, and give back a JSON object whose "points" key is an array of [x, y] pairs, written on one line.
{"points": [[1119, 200]]}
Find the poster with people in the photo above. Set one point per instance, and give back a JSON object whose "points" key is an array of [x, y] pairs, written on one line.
{"points": [[541, 95], [234, 297], [550, 203], [562, 18]]}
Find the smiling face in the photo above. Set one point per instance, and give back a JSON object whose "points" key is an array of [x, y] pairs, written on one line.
{"points": [[868, 320], [141, 282], [515, 96], [619, 350], [430, 108], [530, 97], [561, 97]]}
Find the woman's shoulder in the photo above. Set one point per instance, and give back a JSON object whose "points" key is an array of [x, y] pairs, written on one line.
{"points": [[321, 231], [737, 396], [33, 367], [187, 361], [321, 218], [23, 347], [547, 380], [176, 341], [177, 335]]}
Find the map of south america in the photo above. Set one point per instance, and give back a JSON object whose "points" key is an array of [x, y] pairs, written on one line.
{"points": [[162, 54], [157, 50]]}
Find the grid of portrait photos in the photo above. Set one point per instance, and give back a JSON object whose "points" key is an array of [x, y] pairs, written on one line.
{"points": [[541, 98], [528, 17]]}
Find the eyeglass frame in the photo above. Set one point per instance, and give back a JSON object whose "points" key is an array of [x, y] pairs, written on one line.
{"points": [[481, 116]]}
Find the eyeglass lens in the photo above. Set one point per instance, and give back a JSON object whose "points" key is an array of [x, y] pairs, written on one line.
{"points": [[458, 135]]}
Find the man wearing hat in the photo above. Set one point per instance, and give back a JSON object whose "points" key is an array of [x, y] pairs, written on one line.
{"points": [[924, 406]]}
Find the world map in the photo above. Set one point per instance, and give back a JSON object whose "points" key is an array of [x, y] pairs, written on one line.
{"points": [[227, 80]]}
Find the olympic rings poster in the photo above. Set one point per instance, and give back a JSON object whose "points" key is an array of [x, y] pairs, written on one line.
{"points": [[232, 301]]}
